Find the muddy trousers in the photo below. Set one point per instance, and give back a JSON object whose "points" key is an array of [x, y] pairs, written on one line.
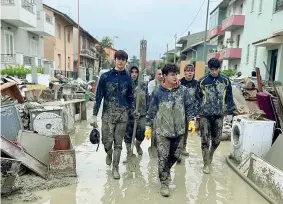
{"points": [[184, 138], [140, 130], [210, 130], [113, 133], [168, 153]]}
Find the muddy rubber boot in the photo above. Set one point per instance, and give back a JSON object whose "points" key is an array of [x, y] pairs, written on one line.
{"points": [[115, 173], [205, 155], [138, 147], [184, 152], [164, 190], [179, 160], [211, 152], [109, 157], [128, 147]]}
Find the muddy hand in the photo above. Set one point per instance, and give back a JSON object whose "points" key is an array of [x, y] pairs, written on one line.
{"points": [[147, 132]]}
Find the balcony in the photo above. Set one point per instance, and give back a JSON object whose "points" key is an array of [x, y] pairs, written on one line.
{"points": [[19, 13], [45, 25], [233, 22], [213, 55], [8, 59], [88, 53], [230, 53], [215, 32], [29, 61]]}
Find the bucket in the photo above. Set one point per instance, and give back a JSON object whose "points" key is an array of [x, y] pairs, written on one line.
{"points": [[62, 142]]}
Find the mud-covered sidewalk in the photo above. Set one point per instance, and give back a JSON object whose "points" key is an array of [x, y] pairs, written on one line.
{"points": [[95, 184]]}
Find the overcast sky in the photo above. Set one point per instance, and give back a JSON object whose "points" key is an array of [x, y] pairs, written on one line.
{"points": [[131, 20]]}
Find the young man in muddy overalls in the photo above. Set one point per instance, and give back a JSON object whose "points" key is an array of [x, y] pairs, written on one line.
{"points": [[169, 107], [213, 95], [115, 87], [191, 84], [143, 104]]}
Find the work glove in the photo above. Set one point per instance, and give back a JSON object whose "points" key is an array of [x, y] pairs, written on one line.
{"points": [[93, 121], [229, 118], [147, 132], [192, 127]]}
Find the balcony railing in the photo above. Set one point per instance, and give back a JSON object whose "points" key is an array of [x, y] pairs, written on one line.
{"points": [[49, 19], [279, 5], [27, 5], [28, 60], [87, 52], [7, 1], [8, 58]]}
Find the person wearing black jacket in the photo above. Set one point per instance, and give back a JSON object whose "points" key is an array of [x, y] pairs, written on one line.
{"points": [[191, 84]]}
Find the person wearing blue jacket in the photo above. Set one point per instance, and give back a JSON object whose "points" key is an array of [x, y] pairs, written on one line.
{"points": [[115, 87], [214, 99], [170, 105]]}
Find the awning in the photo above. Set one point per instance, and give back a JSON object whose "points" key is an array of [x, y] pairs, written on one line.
{"points": [[270, 41]]}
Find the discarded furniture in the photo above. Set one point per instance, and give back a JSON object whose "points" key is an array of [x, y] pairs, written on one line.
{"points": [[10, 122], [250, 136], [275, 156], [62, 158], [12, 90], [27, 160], [9, 172]]}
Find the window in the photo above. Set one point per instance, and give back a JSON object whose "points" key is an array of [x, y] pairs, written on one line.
{"points": [[253, 3], [241, 9], [69, 36], [248, 54], [238, 41], [260, 6], [59, 61], [9, 42], [255, 56], [58, 30], [33, 47], [69, 62], [279, 5]]}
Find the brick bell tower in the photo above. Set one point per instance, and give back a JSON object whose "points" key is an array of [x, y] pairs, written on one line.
{"points": [[143, 47]]}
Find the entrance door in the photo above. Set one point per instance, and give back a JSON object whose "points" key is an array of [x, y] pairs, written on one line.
{"points": [[273, 64]]}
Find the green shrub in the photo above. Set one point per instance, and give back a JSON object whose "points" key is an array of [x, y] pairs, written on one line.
{"points": [[19, 71], [229, 72]]}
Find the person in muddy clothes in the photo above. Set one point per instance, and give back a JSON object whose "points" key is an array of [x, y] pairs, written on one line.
{"points": [[169, 107], [191, 84], [115, 87], [214, 96], [134, 72], [153, 84]]}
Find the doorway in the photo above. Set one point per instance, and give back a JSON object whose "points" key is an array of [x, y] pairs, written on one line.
{"points": [[273, 64]]}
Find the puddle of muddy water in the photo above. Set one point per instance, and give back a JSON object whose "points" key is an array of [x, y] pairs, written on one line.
{"points": [[189, 185]]}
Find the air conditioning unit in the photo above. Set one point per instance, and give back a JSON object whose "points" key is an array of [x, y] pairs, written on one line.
{"points": [[250, 136]]}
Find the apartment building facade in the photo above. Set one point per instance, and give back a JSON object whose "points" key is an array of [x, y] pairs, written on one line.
{"points": [[60, 48], [24, 24], [89, 59], [226, 24], [263, 38]]}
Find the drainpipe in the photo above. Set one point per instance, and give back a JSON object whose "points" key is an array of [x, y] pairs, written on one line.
{"points": [[65, 48]]}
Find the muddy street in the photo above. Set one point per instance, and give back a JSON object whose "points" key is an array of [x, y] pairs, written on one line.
{"points": [[189, 185]]}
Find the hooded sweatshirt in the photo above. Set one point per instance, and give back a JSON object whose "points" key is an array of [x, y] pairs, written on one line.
{"points": [[169, 110], [143, 104]]}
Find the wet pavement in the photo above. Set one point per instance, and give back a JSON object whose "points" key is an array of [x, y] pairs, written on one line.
{"points": [[189, 185]]}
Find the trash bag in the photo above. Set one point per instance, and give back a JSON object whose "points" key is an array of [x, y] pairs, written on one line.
{"points": [[94, 137]]}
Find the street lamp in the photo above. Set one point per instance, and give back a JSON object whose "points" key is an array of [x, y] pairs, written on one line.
{"points": [[114, 40]]}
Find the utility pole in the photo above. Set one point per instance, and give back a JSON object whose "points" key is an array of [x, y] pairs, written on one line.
{"points": [[79, 40], [166, 53], [175, 36], [205, 33]]}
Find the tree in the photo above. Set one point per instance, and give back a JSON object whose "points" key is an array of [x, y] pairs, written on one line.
{"points": [[134, 61], [161, 64], [153, 67], [106, 42]]}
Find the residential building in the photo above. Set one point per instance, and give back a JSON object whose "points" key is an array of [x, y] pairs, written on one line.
{"points": [[24, 24], [226, 32], [89, 61], [192, 46], [60, 48], [263, 38], [110, 54]]}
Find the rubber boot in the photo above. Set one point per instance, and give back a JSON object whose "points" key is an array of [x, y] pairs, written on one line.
{"points": [[116, 161], [164, 190], [109, 157], [211, 152], [179, 160], [184, 145], [138, 147], [205, 155], [184, 152], [128, 147]]}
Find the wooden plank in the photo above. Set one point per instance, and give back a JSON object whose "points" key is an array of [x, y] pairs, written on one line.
{"points": [[27, 160], [200, 69]]}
